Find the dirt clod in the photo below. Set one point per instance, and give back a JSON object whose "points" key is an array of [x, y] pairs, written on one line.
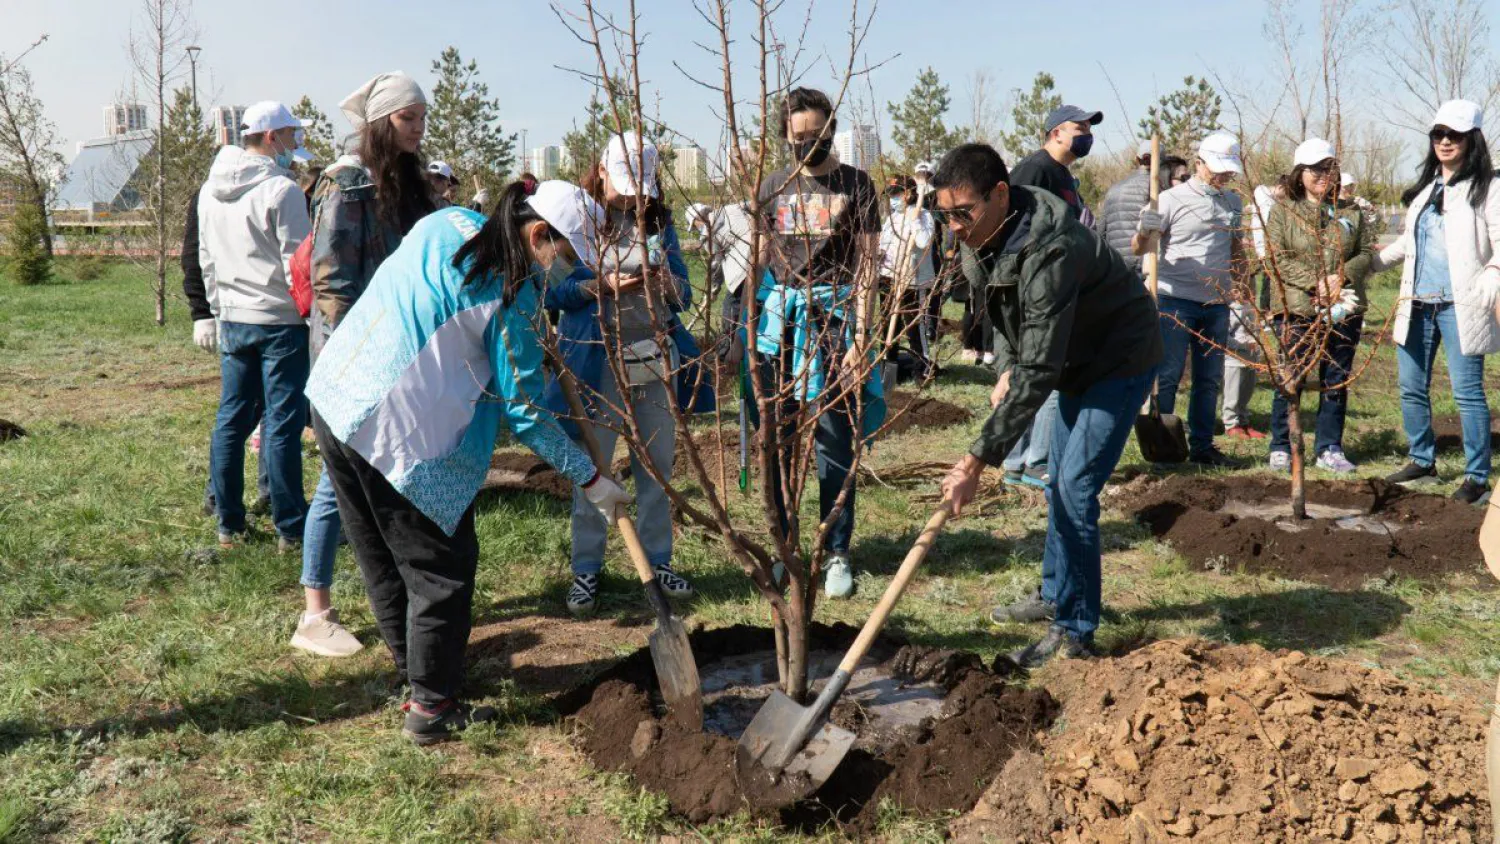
{"points": [[10, 431]]}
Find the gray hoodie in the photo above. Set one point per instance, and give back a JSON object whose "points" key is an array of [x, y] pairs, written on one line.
{"points": [[251, 219]]}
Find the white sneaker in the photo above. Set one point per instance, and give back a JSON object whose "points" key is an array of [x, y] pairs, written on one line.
{"points": [[583, 595], [322, 634], [989, 358], [1280, 461], [838, 577], [672, 583]]}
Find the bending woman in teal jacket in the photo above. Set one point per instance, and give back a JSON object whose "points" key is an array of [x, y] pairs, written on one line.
{"points": [[410, 393]]}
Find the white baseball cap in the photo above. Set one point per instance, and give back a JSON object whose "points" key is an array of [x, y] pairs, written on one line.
{"points": [[269, 116], [575, 215], [1221, 152], [441, 168], [923, 167], [1459, 115], [1346, 180], [625, 153], [1312, 151]]}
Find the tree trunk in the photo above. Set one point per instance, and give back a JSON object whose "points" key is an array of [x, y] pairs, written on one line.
{"points": [[1294, 428], [778, 626], [796, 634]]}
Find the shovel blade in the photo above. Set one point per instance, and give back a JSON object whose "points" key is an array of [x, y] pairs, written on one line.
{"points": [[779, 747], [677, 672], [1489, 537], [1161, 437]]}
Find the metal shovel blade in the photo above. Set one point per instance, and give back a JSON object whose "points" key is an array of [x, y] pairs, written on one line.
{"points": [[677, 672], [1161, 437], [770, 748]]}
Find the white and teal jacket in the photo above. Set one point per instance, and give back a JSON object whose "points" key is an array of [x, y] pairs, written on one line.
{"points": [[423, 368]]}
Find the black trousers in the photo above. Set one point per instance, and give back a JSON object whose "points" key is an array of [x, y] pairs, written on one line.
{"points": [[978, 335], [419, 579]]}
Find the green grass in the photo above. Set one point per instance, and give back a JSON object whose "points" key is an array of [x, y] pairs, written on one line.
{"points": [[147, 693]]}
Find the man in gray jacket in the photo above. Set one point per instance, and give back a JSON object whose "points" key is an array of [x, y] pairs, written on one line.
{"points": [[251, 219]]}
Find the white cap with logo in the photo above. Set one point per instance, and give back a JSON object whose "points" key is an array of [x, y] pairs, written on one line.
{"points": [[621, 158], [1459, 115], [1312, 151], [1346, 180], [576, 216], [270, 116], [1221, 152], [441, 168], [924, 167]]}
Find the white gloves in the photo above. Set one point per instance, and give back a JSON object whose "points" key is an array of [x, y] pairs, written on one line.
{"points": [[1150, 221], [606, 496], [206, 334], [482, 199]]}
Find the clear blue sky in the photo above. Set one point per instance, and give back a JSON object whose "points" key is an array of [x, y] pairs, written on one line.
{"points": [[325, 48]]}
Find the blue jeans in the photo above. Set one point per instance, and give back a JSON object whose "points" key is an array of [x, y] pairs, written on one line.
{"points": [[261, 366], [1031, 449], [1088, 437], [1432, 324], [262, 487], [1335, 368], [1203, 330], [320, 537]]}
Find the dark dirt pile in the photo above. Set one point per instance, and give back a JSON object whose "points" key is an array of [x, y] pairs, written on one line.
{"points": [[1229, 743], [10, 430], [1433, 536], [522, 471], [984, 720], [907, 410]]}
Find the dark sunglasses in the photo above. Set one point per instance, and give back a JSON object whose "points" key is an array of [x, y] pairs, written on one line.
{"points": [[1450, 135], [962, 213], [1324, 168]]}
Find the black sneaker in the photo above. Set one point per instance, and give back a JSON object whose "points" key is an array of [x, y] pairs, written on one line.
{"points": [[1414, 473], [1471, 492], [1057, 643], [424, 729], [1214, 459], [1028, 610]]}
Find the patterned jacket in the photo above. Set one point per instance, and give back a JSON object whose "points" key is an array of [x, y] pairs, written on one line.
{"points": [[349, 242]]}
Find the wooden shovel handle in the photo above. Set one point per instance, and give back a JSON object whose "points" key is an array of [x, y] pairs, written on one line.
{"points": [[893, 592], [1149, 260]]}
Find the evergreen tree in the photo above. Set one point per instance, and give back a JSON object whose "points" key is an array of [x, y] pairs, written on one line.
{"points": [[1183, 117], [917, 122], [189, 149], [463, 126], [320, 139], [30, 262], [1029, 117], [29, 158], [608, 111]]}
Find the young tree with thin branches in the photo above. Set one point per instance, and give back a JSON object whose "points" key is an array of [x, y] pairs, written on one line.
{"points": [[29, 158]]}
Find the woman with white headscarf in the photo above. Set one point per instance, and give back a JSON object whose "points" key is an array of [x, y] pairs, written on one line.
{"points": [[361, 208]]}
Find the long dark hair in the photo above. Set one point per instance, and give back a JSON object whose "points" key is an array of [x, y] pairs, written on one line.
{"points": [[1476, 166], [402, 194], [658, 213], [1296, 190], [500, 246]]}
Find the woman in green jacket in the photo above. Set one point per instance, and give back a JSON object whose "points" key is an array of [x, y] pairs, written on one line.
{"points": [[1317, 256]]}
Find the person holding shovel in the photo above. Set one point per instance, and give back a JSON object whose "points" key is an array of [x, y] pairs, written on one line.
{"points": [[1070, 317], [410, 393]]}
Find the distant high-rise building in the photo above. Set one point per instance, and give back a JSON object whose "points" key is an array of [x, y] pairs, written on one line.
{"points": [[689, 167], [227, 121], [124, 118], [544, 162], [858, 146]]}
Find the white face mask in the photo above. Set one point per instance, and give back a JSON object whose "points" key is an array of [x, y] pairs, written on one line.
{"points": [[558, 270]]}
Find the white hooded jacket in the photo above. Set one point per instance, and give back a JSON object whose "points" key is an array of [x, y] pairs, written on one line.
{"points": [[251, 218]]}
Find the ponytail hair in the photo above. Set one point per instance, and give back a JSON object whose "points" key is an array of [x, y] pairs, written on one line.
{"points": [[500, 246]]}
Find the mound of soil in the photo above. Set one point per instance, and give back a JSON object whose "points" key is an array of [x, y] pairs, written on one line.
{"points": [[1212, 522], [1449, 433], [10, 431], [1230, 743], [908, 410], [522, 471], [943, 765]]}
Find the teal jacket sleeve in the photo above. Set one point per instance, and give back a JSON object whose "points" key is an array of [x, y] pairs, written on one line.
{"points": [[516, 354]]}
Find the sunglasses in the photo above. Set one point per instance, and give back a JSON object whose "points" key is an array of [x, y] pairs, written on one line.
{"points": [[1324, 168], [1449, 135], [964, 214]]}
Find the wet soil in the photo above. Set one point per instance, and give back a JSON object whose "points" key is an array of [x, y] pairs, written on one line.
{"points": [[1369, 529], [941, 763]]}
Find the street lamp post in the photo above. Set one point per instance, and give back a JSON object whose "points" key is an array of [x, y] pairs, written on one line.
{"points": [[193, 52]]}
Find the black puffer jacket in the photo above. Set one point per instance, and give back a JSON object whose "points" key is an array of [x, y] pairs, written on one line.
{"points": [[1121, 212]]}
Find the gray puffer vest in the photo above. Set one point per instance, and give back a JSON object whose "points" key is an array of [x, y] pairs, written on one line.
{"points": [[1121, 213]]}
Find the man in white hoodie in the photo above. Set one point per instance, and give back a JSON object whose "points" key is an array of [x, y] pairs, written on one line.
{"points": [[251, 218]]}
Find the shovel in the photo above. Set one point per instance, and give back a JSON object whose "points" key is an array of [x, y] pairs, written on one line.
{"points": [[671, 653], [1489, 536], [794, 746], [1161, 436], [744, 391]]}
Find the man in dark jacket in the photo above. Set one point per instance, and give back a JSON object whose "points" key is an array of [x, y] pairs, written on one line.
{"points": [[1121, 211], [1071, 317]]}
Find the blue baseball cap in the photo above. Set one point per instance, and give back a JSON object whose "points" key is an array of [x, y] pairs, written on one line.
{"points": [[1072, 114]]}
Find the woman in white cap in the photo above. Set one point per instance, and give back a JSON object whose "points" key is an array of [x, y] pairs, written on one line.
{"points": [[1449, 254], [410, 393], [1318, 255], [614, 313], [367, 200]]}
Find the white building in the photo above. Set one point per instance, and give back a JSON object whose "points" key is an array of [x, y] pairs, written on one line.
{"points": [[124, 118], [544, 162], [690, 167], [227, 121], [858, 146]]}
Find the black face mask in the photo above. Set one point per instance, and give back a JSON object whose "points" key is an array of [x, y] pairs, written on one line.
{"points": [[813, 153]]}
